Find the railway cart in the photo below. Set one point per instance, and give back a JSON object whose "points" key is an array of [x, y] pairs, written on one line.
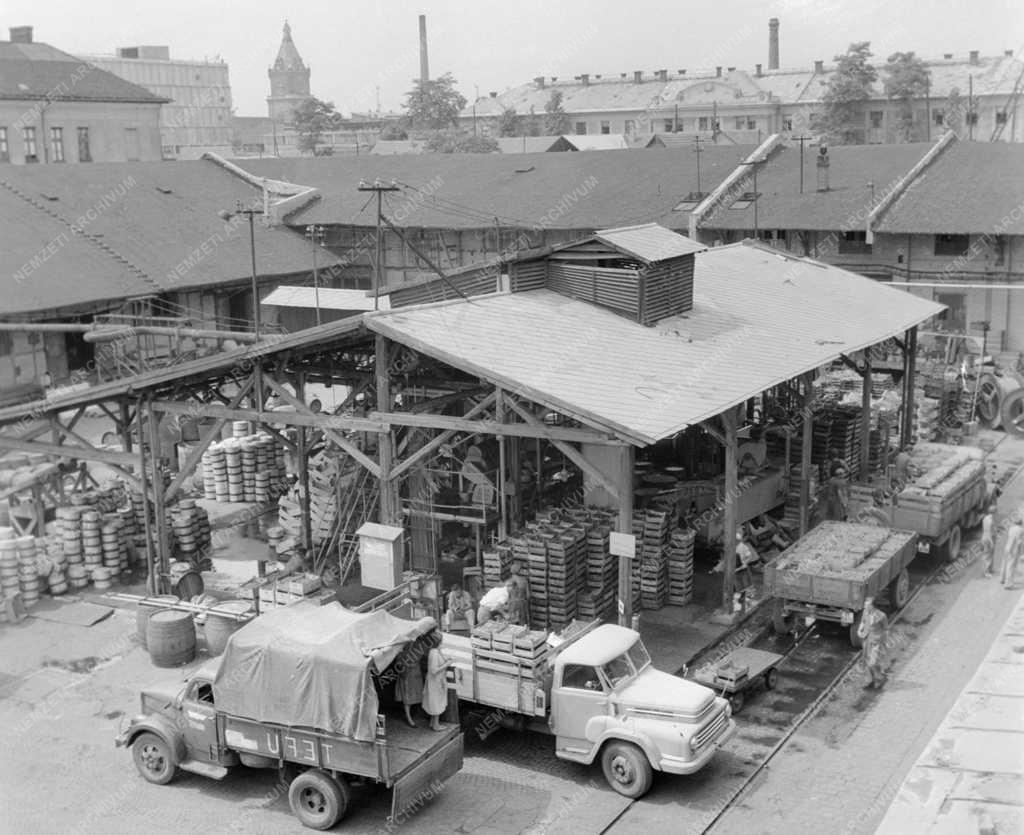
{"points": [[827, 574], [739, 672]]}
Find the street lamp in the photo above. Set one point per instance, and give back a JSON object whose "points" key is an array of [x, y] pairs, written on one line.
{"points": [[316, 234], [250, 213]]}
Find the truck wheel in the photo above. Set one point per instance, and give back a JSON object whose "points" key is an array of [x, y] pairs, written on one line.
{"points": [[736, 701], [855, 640], [780, 623], [627, 769], [153, 758], [771, 679], [317, 799], [951, 546], [901, 589]]}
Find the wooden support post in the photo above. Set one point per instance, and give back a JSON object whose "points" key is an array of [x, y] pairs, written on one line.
{"points": [[805, 454], [152, 556], [302, 463], [865, 419], [909, 374], [625, 526], [125, 425], [499, 416], [162, 563], [390, 512], [516, 503], [731, 494]]}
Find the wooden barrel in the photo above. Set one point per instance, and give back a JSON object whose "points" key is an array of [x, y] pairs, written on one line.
{"points": [[171, 638], [101, 578], [219, 629], [144, 613], [189, 585]]}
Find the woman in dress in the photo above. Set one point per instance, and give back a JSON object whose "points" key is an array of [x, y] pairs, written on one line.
{"points": [[409, 687], [435, 691]]}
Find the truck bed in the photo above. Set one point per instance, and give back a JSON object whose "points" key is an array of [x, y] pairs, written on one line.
{"points": [[839, 564]]}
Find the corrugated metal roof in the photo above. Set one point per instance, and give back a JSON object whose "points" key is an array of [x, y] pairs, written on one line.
{"points": [[649, 242], [759, 319], [328, 298], [597, 142]]}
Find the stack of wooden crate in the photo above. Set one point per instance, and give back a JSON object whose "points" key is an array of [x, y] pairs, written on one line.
{"points": [[680, 567], [650, 567], [497, 560], [284, 592]]}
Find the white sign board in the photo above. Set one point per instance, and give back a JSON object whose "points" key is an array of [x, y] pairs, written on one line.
{"points": [[622, 545]]}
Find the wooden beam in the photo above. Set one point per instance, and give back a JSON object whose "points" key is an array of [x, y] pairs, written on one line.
{"points": [[805, 453], [390, 506], [163, 556], [499, 416], [849, 363], [865, 420], [626, 526], [713, 431], [569, 452], [441, 439], [304, 410], [731, 494], [302, 462], [490, 427], [909, 374], [319, 421], [205, 440], [67, 451]]}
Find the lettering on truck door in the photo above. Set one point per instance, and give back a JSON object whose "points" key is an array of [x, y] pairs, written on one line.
{"points": [[199, 718]]}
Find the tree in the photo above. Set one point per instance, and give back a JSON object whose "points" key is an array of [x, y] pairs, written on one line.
{"points": [[455, 142], [509, 123], [955, 109], [848, 90], [906, 79], [434, 103], [532, 124], [392, 131], [310, 119], [556, 120]]}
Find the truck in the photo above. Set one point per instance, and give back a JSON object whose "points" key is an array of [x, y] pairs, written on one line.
{"points": [[945, 493], [827, 574], [594, 689], [296, 690]]}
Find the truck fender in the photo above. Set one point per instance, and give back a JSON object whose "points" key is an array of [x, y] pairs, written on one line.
{"points": [[163, 728], [604, 729]]}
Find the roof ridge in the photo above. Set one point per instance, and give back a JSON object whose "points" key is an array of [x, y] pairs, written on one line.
{"points": [[93, 239]]}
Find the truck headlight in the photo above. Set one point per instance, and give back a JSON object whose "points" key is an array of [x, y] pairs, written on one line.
{"points": [[728, 710]]}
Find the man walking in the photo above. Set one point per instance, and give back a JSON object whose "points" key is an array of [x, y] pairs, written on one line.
{"points": [[988, 542], [1011, 551], [874, 626]]}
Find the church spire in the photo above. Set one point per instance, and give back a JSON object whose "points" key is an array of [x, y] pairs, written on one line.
{"points": [[288, 57]]}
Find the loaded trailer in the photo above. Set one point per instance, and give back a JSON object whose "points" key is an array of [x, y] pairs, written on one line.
{"points": [[944, 493], [594, 689], [295, 691], [827, 574]]}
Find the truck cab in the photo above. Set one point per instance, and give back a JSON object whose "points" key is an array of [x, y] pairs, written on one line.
{"points": [[607, 700]]}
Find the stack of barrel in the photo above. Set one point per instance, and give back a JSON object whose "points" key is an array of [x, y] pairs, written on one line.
{"points": [[69, 525], [191, 526], [10, 583], [233, 457], [28, 570], [58, 579], [215, 473], [92, 542], [247, 447]]}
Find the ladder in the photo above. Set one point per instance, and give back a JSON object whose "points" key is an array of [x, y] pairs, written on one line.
{"points": [[355, 506]]}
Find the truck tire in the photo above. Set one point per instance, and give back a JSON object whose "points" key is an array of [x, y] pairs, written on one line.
{"points": [[901, 589], [153, 758], [627, 769], [951, 547], [855, 640], [317, 799], [780, 623]]}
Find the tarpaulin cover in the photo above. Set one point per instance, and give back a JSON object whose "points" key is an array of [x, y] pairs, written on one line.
{"points": [[310, 666]]}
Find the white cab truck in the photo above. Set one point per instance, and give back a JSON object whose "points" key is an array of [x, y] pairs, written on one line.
{"points": [[600, 697]]}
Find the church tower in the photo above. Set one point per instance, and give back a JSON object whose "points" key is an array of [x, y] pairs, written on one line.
{"points": [[289, 80]]}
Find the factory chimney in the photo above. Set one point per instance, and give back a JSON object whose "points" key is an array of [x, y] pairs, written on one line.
{"points": [[424, 67], [773, 43]]}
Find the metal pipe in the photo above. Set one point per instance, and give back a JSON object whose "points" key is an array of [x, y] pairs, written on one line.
{"points": [[100, 333]]}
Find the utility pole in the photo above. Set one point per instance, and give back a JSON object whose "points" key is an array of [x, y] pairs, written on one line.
{"points": [[316, 234], [801, 140], [928, 107], [675, 121], [698, 149], [754, 167], [970, 108], [378, 271]]}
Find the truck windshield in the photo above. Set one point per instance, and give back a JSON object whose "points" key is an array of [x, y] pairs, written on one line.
{"points": [[617, 670], [638, 655]]}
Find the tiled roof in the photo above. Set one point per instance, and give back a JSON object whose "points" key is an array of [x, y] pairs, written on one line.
{"points": [[38, 71], [971, 187], [595, 190], [148, 227], [845, 205], [991, 76], [759, 319]]}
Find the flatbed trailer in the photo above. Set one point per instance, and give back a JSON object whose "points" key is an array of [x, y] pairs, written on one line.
{"points": [[946, 494], [827, 574]]}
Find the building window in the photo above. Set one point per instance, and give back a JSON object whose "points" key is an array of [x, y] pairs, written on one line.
{"points": [[670, 126], [787, 125], [939, 117], [131, 144], [702, 123], [5, 150], [581, 128], [606, 127], [1000, 117], [84, 154], [854, 242], [629, 127], [740, 123], [28, 136], [6, 343], [951, 244], [876, 117], [56, 144]]}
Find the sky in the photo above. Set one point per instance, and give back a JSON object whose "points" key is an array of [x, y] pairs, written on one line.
{"points": [[358, 52]]}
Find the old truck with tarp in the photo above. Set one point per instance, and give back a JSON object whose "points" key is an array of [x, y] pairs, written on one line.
{"points": [[944, 492], [295, 690], [594, 689], [827, 574]]}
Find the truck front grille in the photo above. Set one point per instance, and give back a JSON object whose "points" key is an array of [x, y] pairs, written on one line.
{"points": [[710, 731]]}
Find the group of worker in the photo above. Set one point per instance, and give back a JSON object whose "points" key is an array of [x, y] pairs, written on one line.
{"points": [[509, 602]]}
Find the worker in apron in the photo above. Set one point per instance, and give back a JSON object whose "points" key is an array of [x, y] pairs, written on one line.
{"points": [[872, 630]]}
